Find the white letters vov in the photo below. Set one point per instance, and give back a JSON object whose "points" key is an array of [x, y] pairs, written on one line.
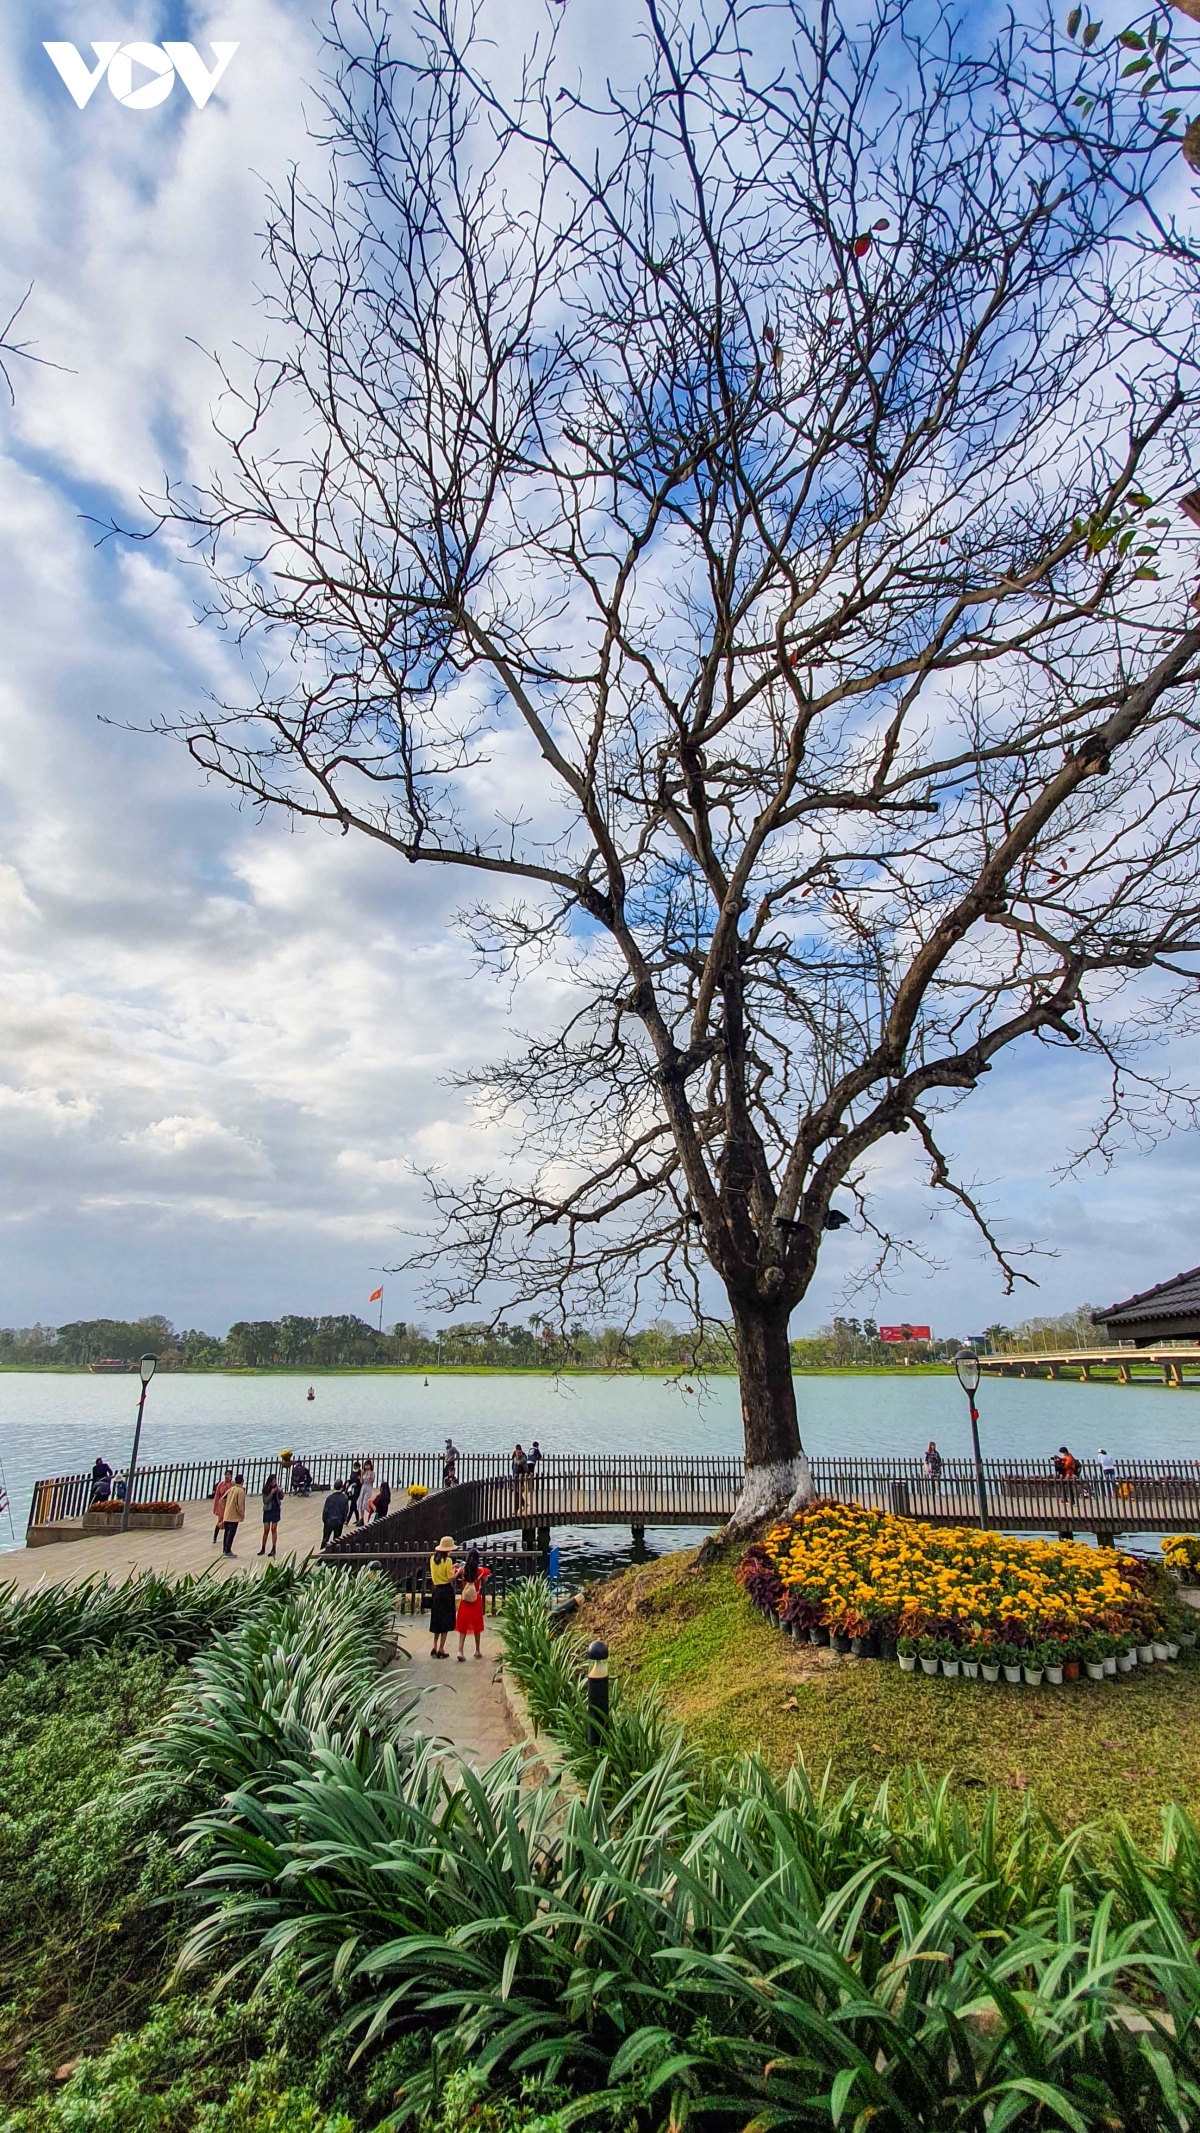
{"points": [[162, 61]]}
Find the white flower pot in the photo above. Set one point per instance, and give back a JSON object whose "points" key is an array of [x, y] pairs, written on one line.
{"points": [[950, 1669], [1054, 1676], [929, 1666], [990, 1673], [1160, 1651], [1145, 1654], [1172, 1650], [1125, 1662], [1012, 1673], [1033, 1676], [908, 1662], [1095, 1669], [970, 1669], [1110, 1664], [1187, 1640]]}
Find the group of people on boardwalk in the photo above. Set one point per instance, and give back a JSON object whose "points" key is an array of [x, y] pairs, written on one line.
{"points": [[358, 1499], [456, 1598]]}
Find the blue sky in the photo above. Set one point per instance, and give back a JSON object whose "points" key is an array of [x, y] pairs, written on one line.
{"points": [[223, 1047]]}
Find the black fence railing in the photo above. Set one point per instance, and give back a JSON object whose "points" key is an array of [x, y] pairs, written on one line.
{"points": [[408, 1572]]}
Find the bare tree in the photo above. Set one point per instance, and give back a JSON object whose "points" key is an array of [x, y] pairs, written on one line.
{"points": [[756, 463]]}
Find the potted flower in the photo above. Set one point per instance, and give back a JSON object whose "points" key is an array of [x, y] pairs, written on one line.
{"points": [[819, 1634], [948, 1652], [1072, 1658], [906, 1653], [1052, 1661], [1126, 1657], [929, 1652], [970, 1662], [1033, 1668], [1012, 1658], [989, 1666], [1094, 1654], [1145, 1653]]}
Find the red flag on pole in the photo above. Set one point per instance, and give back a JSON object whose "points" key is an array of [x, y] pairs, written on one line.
{"points": [[376, 1296]]}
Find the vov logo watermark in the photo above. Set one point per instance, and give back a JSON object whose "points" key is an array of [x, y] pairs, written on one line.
{"points": [[162, 62]]}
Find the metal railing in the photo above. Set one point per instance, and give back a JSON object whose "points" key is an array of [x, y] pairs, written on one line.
{"points": [[676, 1486], [1141, 1495], [407, 1571]]}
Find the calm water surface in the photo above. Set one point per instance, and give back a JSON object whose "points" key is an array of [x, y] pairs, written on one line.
{"points": [[57, 1424]]}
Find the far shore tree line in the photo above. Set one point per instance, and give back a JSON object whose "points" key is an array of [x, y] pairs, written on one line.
{"points": [[339, 1341]]}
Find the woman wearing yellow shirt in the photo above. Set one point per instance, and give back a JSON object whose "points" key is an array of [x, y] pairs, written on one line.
{"points": [[441, 1605]]}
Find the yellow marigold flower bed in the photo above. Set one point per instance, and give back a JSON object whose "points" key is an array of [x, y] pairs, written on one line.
{"points": [[862, 1567], [1182, 1550]]}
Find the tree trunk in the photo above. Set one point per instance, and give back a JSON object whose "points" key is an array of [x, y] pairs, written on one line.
{"points": [[778, 1476]]}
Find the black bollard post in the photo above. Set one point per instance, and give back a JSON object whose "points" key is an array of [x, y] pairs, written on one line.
{"points": [[597, 1692]]}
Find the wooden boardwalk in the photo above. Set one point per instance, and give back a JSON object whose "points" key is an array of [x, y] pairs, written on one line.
{"points": [[123, 1555]]}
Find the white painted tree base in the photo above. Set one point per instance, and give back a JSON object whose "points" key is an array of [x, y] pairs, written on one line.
{"points": [[769, 1491]]}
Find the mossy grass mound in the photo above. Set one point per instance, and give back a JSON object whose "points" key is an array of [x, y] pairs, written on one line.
{"points": [[1088, 1751]]}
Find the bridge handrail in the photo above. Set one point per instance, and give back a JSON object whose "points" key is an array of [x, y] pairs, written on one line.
{"points": [[671, 1483]]}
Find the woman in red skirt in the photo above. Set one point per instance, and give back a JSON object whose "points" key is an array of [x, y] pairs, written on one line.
{"points": [[469, 1620]]}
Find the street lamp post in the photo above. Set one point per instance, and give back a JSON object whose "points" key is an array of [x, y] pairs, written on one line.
{"points": [[966, 1365], [147, 1368]]}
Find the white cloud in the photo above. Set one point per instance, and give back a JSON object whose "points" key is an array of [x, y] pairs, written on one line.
{"points": [[224, 1050]]}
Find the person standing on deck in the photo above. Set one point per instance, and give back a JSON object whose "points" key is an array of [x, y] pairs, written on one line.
{"points": [[1108, 1471], [353, 1485], [366, 1489], [272, 1506], [334, 1512], [933, 1464], [101, 1478], [449, 1462], [233, 1511], [219, 1494]]}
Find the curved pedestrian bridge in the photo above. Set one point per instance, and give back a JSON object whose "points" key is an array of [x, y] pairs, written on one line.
{"points": [[486, 1498]]}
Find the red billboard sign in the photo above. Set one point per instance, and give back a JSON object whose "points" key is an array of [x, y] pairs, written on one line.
{"points": [[905, 1333]]}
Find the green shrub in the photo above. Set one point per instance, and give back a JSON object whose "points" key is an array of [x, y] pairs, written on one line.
{"points": [[552, 1671], [190, 2068], [56, 1623]]}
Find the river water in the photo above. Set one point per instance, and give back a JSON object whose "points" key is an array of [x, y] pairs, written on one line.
{"points": [[52, 1423]]}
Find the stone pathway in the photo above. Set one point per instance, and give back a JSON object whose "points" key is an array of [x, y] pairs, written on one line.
{"points": [[463, 1705]]}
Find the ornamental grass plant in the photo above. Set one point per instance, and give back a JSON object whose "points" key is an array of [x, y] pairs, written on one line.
{"points": [[55, 1623], [780, 1954]]}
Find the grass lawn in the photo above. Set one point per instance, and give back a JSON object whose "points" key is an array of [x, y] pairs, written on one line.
{"points": [[1085, 1750]]}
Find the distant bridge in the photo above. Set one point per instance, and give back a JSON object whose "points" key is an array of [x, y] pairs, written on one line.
{"points": [[1174, 1366], [1141, 1496]]}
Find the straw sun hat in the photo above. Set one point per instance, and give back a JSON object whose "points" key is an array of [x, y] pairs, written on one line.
{"points": [[446, 1545]]}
